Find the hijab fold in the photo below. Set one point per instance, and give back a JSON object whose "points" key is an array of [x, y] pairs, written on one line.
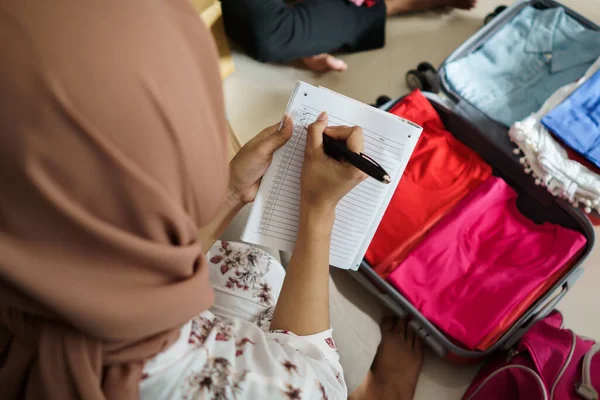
{"points": [[113, 153]]}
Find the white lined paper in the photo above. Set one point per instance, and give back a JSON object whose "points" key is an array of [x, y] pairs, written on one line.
{"points": [[389, 140]]}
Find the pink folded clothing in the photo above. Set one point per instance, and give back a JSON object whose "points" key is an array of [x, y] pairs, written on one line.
{"points": [[481, 261]]}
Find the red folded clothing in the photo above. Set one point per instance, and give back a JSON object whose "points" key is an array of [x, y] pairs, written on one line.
{"points": [[440, 172]]}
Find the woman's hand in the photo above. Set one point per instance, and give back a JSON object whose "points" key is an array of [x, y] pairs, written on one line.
{"points": [[247, 168], [303, 304], [324, 181], [250, 163]]}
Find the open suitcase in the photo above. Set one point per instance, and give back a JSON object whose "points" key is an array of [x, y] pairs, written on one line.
{"points": [[490, 139]]}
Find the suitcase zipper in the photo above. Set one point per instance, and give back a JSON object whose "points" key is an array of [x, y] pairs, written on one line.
{"points": [[512, 353]]}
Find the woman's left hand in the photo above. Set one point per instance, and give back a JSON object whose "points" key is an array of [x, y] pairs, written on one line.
{"points": [[250, 163]]}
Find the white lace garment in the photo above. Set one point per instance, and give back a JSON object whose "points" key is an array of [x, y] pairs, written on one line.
{"points": [[548, 161]]}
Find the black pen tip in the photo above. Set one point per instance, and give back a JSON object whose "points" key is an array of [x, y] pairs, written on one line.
{"points": [[387, 179]]}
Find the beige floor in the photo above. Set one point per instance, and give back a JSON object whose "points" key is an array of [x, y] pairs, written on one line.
{"points": [[256, 96]]}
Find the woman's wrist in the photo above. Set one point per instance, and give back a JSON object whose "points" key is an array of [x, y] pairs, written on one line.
{"points": [[234, 198], [317, 219]]}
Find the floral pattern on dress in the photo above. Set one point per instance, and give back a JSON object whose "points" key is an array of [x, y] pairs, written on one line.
{"points": [[216, 380], [330, 342], [265, 318], [290, 367], [292, 392], [322, 389], [246, 267], [202, 327], [239, 346], [234, 356]]}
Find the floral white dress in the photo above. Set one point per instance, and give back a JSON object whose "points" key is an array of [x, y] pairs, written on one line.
{"points": [[228, 352]]}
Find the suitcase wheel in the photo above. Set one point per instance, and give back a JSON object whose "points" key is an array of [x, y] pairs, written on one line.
{"points": [[425, 77], [381, 100], [414, 79], [494, 14], [425, 66], [499, 9]]}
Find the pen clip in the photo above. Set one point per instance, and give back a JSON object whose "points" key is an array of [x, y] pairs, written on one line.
{"points": [[366, 157]]}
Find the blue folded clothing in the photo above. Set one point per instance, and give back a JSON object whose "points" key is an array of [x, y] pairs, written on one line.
{"points": [[576, 121], [513, 72]]}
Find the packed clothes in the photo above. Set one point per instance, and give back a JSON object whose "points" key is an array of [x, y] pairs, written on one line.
{"points": [[548, 161], [522, 64], [576, 121], [513, 315], [422, 198], [481, 262], [453, 240]]}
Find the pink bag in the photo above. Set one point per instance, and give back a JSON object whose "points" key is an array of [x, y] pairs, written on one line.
{"points": [[549, 362]]}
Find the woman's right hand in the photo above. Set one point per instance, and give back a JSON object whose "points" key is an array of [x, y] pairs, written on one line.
{"points": [[303, 304], [324, 181]]}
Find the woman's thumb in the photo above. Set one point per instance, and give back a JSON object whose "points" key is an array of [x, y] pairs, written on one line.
{"points": [[283, 134]]}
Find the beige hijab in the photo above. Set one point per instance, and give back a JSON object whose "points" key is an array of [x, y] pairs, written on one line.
{"points": [[112, 155]]}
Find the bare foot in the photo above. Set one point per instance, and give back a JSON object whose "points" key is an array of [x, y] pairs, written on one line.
{"points": [[397, 365], [325, 62], [404, 6]]}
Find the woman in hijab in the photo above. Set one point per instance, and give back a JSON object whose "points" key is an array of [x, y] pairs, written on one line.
{"points": [[112, 161]]}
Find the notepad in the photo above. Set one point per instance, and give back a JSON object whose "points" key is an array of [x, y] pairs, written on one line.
{"points": [[389, 140]]}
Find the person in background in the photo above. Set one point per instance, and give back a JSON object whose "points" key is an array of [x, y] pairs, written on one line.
{"points": [[115, 185], [282, 31]]}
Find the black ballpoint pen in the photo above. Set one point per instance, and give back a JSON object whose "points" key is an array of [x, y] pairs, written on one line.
{"points": [[337, 149]]}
